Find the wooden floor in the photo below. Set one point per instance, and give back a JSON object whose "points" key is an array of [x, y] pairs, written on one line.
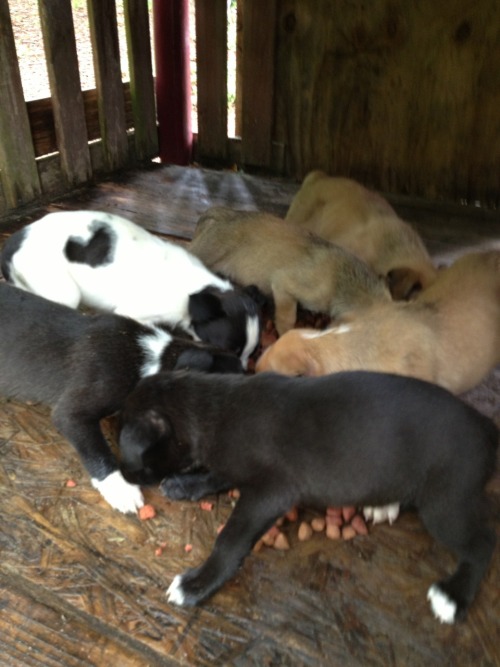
{"points": [[81, 584]]}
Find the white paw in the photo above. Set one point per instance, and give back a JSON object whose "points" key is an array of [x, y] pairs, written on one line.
{"points": [[443, 607], [175, 594], [119, 493], [380, 514]]}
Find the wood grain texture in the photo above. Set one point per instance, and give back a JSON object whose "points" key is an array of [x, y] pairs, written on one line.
{"points": [[95, 576], [142, 92], [18, 170], [106, 54], [400, 95], [42, 122], [211, 68], [258, 82]]}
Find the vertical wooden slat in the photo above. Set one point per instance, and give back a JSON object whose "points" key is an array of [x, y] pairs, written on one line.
{"points": [[239, 68], [106, 53], [173, 86], [67, 99], [19, 173], [211, 65], [259, 25], [141, 78]]}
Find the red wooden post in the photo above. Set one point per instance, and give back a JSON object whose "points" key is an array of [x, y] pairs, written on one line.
{"points": [[173, 85]]}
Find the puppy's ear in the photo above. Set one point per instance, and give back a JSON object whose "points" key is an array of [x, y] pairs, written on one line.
{"points": [[403, 283], [204, 306], [140, 434]]}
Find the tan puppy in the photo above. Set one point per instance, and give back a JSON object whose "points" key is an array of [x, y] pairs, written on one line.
{"points": [[449, 335], [287, 263], [344, 212]]}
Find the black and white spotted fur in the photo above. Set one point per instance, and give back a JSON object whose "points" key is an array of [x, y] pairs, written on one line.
{"points": [[109, 263], [83, 366], [351, 438]]}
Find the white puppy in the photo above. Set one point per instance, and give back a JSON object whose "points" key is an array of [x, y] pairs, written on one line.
{"points": [[109, 263]]}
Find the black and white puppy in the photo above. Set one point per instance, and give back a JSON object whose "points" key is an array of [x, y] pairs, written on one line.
{"points": [[352, 438], [109, 263], [83, 366]]}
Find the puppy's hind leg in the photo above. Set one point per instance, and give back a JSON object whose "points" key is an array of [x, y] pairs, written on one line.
{"points": [[462, 529], [254, 514]]}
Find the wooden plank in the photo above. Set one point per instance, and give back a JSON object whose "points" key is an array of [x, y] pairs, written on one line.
{"points": [[34, 617], [136, 17], [67, 100], [189, 192], [106, 53], [41, 118], [17, 159], [49, 167], [258, 81], [211, 67], [402, 96], [173, 84], [239, 67], [52, 179]]}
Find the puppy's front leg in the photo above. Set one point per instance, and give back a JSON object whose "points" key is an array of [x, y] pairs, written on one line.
{"points": [[192, 485], [253, 515], [84, 433], [285, 305]]}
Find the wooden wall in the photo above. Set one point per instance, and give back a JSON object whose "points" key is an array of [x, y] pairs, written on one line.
{"points": [[404, 96]]}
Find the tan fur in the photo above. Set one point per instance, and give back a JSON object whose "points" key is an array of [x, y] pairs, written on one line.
{"points": [[449, 335], [345, 212], [285, 262]]}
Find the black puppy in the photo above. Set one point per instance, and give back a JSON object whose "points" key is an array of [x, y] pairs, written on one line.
{"points": [[84, 366], [353, 438]]}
